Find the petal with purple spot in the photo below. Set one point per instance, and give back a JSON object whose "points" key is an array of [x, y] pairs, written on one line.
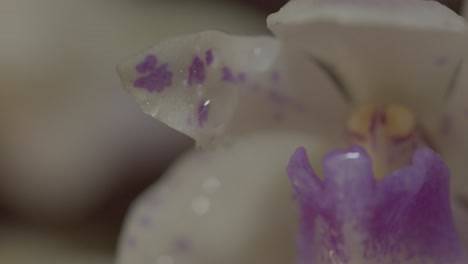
{"points": [[235, 108]]}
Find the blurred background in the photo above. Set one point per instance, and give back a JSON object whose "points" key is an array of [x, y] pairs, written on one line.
{"points": [[75, 149]]}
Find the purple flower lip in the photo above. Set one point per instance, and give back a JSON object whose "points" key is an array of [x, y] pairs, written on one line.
{"points": [[403, 218]]}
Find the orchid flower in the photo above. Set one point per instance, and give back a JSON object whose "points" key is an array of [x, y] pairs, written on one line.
{"points": [[387, 76]]}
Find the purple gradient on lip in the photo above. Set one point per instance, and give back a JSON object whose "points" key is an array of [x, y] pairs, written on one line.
{"points": [[157, 80], [148, 64], [404, 217], [196, 72], [209, 57], [203, 111]]}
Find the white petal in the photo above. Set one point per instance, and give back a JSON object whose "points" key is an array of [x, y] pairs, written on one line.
{"points": [[384, 51], [215, 86], [231, 205]]}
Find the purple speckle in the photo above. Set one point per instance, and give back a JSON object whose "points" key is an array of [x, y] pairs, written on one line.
{"points": [[242, 77], [189, 120], [144, 221], [157, 80], [147, 65], [228, 76], [298, 106], [203, 110], [275, 76], [130, 241], [182, 245], [278, 116], [441, 61], [196, 71], [256, 87], [153, 200], [209, 57], [278, 97]]}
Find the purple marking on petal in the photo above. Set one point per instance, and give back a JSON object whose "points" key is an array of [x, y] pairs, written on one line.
{"points": [[440, 61], [241, 77], [279, 116], [147, 65], [182, 245], [130, 241], [189, 120], [203, 110], [196, 72], [298, 106], [278, 97], [157, 80], [153, 200], [405, 217], [256, 87], [209, 57], [144, 221], [446, 125], [275, 76], [228, 76]]}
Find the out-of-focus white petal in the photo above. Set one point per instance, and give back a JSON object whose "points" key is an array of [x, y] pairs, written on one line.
{"points": [[465, 9], [229, 205], [398, 51], [70, 136], [211, 86]]}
